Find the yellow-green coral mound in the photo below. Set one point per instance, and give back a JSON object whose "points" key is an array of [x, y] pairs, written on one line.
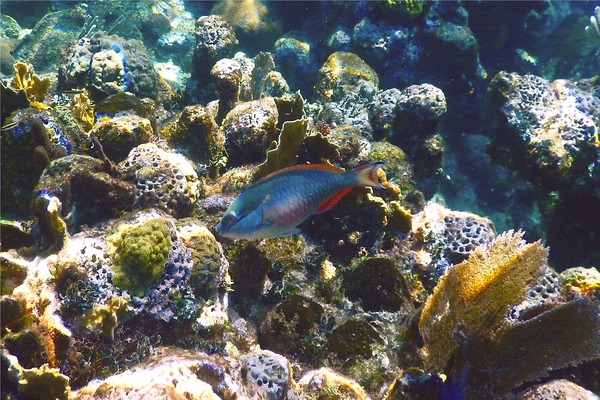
{"points": [[141, 252]]}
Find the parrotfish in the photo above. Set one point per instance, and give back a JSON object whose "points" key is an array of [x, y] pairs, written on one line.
{"points": [[275, 205]]}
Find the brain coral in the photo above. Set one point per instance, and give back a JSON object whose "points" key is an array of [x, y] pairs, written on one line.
{"points": [[209, 265], [141, 252], [165, 180]]}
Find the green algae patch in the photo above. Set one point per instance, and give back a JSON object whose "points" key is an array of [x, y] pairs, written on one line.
{"points": [[140, 254]]}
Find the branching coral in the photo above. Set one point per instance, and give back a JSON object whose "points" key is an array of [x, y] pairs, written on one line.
{"points": [[25, 79]]}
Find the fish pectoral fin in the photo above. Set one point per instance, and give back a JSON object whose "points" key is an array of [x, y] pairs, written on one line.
{"points": [[331, 201], [292, 231]]}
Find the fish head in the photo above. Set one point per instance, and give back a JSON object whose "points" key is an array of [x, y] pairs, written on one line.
{"points": [[240, 224]]}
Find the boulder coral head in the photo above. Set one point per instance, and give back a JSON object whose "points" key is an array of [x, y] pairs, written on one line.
{"points": [[141, 252]]}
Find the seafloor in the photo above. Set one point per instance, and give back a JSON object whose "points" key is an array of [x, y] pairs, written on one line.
{"points": [[129, 127]]}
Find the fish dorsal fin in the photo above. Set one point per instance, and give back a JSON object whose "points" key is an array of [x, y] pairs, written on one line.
{"points": [[322, 167], [332, 200]]}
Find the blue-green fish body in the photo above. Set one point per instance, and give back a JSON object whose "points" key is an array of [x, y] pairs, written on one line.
{"points": [[278, 203]]}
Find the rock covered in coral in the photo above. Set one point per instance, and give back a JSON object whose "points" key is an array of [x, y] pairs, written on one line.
{"points": [[37, 138], [87, 191], [115, 65], [196, 132], [249, 129], [271, 372], [556, 389], [43, 383], [163, 179], [342, 73], [209, 270], [555, 124], [198, 377], [58, 28], [228, 74], [118, 136], [445, 236], [325, 382], [215, 39]]}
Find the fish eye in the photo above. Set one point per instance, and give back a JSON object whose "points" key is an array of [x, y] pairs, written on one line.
{"points": [[230, 217]]}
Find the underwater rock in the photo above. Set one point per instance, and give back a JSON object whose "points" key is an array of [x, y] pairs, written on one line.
{"points": [[249, 129], [86, 191], [409, 119], [37, 335], [228, 74], [74, 65], [556, 389], [581, 281], [177, 377], [271, 372], [43, 383], [12, 274], [326, 383], [215, 39], [353, 147], [196, 134], [347, 85], [287, 326], [549, 134], [109, 64], [295, 59], [354, 338], [553, 123], [386, 290], [209, 270], [455, 44], [163, 179], [126, 103], [58, 28], [342, 73], [119, 135]]}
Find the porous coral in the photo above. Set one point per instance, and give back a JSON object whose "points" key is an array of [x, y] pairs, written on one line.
{"points": [[141, 252], [163, 179], [209, 271], [215, 39], [105, 318], [271, 372], [325, 383]]}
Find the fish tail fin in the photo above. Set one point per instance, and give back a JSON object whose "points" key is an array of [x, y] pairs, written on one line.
{"points": [[366, 175]]}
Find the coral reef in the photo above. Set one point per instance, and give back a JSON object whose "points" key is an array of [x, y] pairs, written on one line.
{"points": [[143, 121]]}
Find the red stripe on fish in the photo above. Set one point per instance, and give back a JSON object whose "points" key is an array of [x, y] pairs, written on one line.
{"points": [[331, 202]]}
